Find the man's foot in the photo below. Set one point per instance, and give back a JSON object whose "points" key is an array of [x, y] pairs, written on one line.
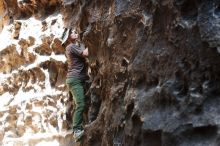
{"points": [[78, 134]]}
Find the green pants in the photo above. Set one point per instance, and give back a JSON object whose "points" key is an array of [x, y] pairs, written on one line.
{"points": [[76, 88]]}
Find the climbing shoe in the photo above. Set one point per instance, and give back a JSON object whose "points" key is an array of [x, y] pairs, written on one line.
{"points": [[78, 134]]}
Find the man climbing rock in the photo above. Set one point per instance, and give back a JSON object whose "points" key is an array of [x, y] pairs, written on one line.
{"points": [[76, 77]]}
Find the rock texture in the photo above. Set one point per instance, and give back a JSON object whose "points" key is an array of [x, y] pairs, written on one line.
{"points": [[158, 64], [3, 15], [154, 67]]}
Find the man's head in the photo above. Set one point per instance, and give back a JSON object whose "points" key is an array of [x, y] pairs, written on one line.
{"points": [[69, 35], [73, 36]]}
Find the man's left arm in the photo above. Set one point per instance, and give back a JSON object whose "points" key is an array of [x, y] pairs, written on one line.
{"points": [[85, 52]]}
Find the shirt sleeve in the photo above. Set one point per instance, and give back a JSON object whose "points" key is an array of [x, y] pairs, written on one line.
{"points": [[77, 50]]}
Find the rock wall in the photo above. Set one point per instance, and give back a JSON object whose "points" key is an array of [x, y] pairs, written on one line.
{"points": [[154, 69], [158, 64]]}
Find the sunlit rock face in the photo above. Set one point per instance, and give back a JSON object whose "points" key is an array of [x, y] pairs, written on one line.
{"points": [[3, 15], [11, 10], [34, 105]]}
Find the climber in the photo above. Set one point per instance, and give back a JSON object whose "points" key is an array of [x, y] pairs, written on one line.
{"points": [[76, 76]]}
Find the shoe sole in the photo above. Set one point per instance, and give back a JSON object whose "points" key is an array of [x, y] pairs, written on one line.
{"points": [[78, 137]]}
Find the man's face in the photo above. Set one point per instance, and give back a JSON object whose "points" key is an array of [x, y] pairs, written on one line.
{"points": [[73, 35]]}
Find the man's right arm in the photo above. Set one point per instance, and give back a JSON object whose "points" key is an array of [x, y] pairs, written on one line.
{"points": [[80, 51]]}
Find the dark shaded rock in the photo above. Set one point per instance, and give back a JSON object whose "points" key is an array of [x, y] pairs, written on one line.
{"points": [[208, 20], [158, 70]]}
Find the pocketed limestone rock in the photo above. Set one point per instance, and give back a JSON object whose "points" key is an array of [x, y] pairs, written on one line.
{"points": [[17, 27]]}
